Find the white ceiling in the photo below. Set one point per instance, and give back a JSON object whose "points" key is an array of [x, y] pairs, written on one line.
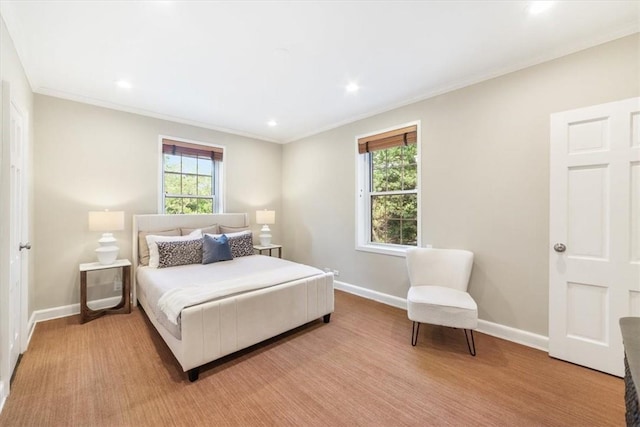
{"points": [[233, 66]]}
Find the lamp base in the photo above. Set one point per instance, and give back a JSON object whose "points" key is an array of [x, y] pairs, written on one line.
{"points": [[107, 254], [265, 236], [108, 251]]}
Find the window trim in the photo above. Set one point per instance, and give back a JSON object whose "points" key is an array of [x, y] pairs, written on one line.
{"points": [[363, 208], [220, 187]]}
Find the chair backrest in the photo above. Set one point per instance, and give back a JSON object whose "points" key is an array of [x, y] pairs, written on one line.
{"points": [[439, 267]]}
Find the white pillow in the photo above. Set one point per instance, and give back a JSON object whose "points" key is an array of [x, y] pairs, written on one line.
{"points": [[154, 255], [234, 234]]}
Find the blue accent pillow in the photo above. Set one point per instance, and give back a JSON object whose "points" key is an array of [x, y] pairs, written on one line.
{"points": [[215, 249]]}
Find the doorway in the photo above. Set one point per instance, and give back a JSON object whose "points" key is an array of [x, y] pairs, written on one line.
{"points": [[594, 258]]}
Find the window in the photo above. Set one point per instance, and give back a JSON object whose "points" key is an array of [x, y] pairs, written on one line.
{"points": [[388, 191], [190, 177]]}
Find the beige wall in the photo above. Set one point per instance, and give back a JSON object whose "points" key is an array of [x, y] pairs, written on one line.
{"points": [[484, 181], [485, 178], [20, 95], [89, 158]]}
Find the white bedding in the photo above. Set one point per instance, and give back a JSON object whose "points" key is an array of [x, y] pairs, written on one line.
{"points": [[208, 331], [169, 290]]}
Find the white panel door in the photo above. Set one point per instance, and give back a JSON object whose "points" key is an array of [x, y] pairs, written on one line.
{"points": [[15, 234], [594, 261]]}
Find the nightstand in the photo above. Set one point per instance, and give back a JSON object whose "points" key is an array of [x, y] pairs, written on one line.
{"points": [[124, 306], [269, 248]]}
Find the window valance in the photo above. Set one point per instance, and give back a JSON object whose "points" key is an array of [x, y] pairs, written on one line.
{"points": [[393, 138], [170, 146]]}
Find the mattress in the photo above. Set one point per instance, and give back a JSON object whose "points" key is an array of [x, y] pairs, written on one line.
{"points": [[187, 285]]}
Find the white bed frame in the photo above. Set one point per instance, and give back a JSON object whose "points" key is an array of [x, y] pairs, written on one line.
{"points": [[214, 329]]}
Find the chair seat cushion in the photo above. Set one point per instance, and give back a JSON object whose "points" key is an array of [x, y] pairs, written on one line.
{"points": [[438, 305]]}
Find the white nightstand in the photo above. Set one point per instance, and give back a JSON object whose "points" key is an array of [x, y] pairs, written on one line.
{"points": [[124, 306], [269, 248]]}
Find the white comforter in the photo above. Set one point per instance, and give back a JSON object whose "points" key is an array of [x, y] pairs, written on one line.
{"points": [[175, 288]]}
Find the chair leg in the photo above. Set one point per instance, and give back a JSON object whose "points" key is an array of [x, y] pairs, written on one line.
{"points": [[472, 346], [414, 333]]}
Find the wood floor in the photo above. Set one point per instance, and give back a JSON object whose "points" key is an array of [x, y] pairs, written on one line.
{"points": [[360, 369]]}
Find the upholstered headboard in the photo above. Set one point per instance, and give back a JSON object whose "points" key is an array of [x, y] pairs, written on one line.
{"points": [[167, 222]]}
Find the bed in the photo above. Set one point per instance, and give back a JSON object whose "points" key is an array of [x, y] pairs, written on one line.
{"points": [[235, 319]]}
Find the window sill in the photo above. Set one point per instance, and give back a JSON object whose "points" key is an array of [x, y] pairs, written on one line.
{"points": [[393, 250]]}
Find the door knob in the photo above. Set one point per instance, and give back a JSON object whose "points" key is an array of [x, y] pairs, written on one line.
{"points": [[25, 246], [559, 247]]}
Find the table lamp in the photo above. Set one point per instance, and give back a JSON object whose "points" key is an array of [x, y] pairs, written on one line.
{"points": [[106, 221], [265, 217]]}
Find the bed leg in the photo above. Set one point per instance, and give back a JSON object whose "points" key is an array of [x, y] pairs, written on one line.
{"points": [[326, 318], [193, 374]]}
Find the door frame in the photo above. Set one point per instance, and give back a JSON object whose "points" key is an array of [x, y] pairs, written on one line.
{"points": [[5, 111]]}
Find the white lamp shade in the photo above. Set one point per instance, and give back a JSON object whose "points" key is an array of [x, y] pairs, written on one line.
{"points": [[106, 220], [266, 217]]}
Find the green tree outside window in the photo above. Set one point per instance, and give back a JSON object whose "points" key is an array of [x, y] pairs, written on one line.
{"points": [[393, 196], [188, 184]]}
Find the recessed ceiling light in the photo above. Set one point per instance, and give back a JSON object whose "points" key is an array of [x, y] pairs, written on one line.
{"points": [[537, 7], [272, 123], [123, 84], [352, 87]]}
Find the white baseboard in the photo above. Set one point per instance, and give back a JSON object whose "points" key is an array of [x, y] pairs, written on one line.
{"points": [[371, 294], [508, 333], [69, 310], [31, 326], [3, 397], [518, 336]]}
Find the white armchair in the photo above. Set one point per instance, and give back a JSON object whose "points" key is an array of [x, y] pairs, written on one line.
{"points": [[438, 294]]}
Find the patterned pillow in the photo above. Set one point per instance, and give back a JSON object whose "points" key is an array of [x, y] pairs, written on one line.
{"points": [[179, 253], [152, 242], [241, 244]]}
